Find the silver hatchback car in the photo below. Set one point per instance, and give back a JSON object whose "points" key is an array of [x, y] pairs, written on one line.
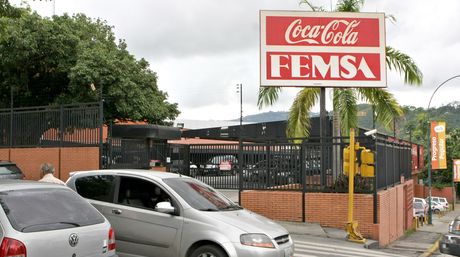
{"points": [[40, 219], [159, 214]]}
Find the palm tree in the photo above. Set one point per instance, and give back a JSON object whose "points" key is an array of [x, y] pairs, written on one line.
{"points": [[345, 100]]}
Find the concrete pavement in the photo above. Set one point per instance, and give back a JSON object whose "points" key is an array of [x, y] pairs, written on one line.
{"points": [[422, 242], [425, 239]]}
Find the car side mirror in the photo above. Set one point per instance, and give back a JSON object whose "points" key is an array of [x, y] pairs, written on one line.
{"points": [[165, 207]]}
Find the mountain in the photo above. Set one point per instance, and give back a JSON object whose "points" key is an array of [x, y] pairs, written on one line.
{"points": [[449, 113], [268, 116]]}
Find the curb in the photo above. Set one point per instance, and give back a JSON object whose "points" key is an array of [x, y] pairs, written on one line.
{"points": [[433, 248]]}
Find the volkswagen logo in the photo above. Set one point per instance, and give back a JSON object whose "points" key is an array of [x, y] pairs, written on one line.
{"points": [[73, 239]]}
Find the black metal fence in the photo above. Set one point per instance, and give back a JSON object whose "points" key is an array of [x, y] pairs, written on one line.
{"points": [[122, 153], [312, 166], [45, 126]]}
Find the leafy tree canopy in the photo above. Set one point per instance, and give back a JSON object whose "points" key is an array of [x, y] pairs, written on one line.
{"points": [[56, 61]]}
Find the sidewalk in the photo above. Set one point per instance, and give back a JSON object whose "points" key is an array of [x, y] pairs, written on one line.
{"points": [[422, 242]]}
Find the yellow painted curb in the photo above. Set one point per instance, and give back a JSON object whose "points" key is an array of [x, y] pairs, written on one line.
{"points": [[433, 248]]}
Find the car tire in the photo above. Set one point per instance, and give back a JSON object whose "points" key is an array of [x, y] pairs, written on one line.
{"points": [[208, 251], [436, 211]]}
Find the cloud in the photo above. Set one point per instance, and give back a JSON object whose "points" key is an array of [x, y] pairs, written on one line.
{"points": [[201, 49]]}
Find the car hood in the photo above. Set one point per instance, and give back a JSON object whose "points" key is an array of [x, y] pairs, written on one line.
{"points": [[249, 222]]}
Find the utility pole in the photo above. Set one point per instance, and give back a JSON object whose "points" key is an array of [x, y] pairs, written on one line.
{"points": [[239, 89]]}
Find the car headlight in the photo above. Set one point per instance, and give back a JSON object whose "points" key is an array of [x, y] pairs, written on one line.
{"points": [[256, 240]]}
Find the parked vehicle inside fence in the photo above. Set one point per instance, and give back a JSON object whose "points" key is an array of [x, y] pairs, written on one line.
{"points": [[220, 165], [9, 170], [171, 215], [42, 219], [274, 172], [450, 242]]}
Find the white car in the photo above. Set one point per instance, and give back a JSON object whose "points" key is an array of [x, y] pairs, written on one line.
{"points": [[422, 201], [441, 200], [42, 219]]}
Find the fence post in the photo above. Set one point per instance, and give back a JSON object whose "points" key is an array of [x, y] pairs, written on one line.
{"points": [[11, 128], [375, 196], [386, 164], [61, 136], [101, 128], [303, 178]]}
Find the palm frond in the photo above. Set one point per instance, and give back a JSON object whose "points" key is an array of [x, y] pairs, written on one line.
{"points": [[268, 96], [312, 7], [299, 115], [349, 5], [404, 64], [391, 18], [345, 102], [385, 105]]}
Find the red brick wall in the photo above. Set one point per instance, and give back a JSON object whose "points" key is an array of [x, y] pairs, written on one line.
{"points": [[4, 154], [419, 191], [409, 194], [64, 161], [277, 205], [394, 212], [422, 192], [78, 158], [30, 159], [331, 210]]}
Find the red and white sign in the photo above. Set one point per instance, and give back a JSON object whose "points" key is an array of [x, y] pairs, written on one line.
{"points": [[225, 165], [322, 49]]}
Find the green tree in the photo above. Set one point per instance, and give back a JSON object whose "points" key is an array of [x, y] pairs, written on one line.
{"points": [[345, 100], [71, 59]]}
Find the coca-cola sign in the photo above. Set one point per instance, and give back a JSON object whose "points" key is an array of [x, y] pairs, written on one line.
{"points": [[322, 49]]}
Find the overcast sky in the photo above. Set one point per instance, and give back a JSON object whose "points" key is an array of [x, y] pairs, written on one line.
{"points": [[201, 49]]}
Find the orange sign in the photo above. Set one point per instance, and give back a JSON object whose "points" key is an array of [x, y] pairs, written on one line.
{"points": [[438, 145], [456, 170]]}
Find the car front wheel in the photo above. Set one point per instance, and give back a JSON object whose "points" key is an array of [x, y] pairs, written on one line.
{"points": [[208, 251]]}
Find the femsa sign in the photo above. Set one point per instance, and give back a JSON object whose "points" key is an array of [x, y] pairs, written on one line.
{"points": [[319, 49]]}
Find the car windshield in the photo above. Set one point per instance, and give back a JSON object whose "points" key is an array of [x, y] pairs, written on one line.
{"points": [[35, 210], [9, 169], [200, 196]]}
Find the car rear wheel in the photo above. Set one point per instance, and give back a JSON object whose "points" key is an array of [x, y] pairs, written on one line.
{"points": [[208, 251]]}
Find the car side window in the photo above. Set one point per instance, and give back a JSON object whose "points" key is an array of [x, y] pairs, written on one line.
{"points": [[141, 193], [98, 187]]}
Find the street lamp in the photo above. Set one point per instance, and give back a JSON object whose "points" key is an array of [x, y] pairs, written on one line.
{"points": [[430, 212]]}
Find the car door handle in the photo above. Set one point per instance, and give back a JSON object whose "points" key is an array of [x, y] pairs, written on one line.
{"points": [[116, 211]]}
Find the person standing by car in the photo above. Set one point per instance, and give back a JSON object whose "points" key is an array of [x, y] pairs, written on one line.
{"points": [[47, 170]]}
